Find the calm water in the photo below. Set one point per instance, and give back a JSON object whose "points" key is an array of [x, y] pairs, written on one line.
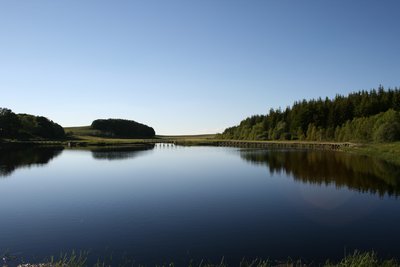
{"points": [[167, 204]]}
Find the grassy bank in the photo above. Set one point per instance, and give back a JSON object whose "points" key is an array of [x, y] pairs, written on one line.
{"points": [[357, 259], [86, 136], [386, 151]]}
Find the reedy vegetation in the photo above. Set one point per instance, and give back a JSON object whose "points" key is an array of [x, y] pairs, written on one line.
{"points": [[357, 259]]}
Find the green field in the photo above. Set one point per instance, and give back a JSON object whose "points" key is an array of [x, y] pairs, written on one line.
{"points": [[85, 135], [86, 132], [89, 136], [81, 131]]}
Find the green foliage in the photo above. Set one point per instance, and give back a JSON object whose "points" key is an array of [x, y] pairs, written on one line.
{"points": [[361, 116], [123, 128], [25, 126], [388, 132], [9, 123], [38, 126], [383, 127]]}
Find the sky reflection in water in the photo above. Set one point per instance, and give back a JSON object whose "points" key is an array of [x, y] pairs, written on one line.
{"points": [[165, 204]]}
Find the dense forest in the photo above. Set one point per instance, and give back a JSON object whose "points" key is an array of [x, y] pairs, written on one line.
{"points": [[28, 127], [361, 116], [123, 128]]}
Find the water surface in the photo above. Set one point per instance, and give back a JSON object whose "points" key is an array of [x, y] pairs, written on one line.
{"points": [[167, 203]]}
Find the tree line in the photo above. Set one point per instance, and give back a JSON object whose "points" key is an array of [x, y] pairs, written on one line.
{"points": [[26, 126], [123, 128], [30, 127], [361, 116]]}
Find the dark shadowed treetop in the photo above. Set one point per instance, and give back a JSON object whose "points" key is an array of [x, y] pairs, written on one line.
{"points": [[39, 126], [25, 126], [123, 128]]}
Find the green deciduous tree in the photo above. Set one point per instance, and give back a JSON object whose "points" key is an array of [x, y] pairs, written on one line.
{"points": [[350, 118]]}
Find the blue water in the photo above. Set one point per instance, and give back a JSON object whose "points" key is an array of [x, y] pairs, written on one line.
{"points": [[178, 204]]}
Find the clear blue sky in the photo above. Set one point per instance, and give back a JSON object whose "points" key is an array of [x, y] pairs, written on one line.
{"points": [[188, 67]]}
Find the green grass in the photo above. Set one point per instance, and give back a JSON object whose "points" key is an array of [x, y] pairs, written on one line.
{"points": [[87, 135], [386, 151], [89, 131], [357, 259], [71, 260], [81, 131], [196, 136], [190, 140], [365, 259]]}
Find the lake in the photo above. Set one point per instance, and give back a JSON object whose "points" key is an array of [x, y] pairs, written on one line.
{"points": [[168, 203]]}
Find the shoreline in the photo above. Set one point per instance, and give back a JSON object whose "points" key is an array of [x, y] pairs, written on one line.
{"points": [[385, 151]]}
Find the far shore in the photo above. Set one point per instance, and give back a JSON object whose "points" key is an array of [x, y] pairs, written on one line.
{"points": [[386, 151]]}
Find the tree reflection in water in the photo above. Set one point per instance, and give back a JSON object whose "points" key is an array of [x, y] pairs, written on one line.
{"points": [[118, 153], [361, 173], [12, 158]]}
